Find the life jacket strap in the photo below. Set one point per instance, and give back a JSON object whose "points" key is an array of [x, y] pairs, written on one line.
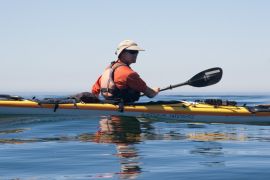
{"points": [[106, 91]]}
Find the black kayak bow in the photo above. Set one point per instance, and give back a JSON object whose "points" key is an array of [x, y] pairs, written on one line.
{"points": [[205, 78], [9, 97]]}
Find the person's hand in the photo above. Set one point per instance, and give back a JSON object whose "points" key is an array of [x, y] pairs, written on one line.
{"points": [[151, 92], [156, 90]]}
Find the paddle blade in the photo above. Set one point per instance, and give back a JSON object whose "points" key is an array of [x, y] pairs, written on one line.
{"points": [[206, 78]]}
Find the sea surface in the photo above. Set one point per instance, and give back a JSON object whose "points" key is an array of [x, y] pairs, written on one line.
{"points": [[102, 147]]}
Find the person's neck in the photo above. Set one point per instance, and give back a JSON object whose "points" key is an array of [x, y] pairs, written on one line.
{"points": [[123, 61]]}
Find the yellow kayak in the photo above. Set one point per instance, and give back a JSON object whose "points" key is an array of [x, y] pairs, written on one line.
{"points": [[171, 110]]}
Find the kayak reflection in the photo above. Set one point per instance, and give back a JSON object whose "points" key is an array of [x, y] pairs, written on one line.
{"points": [[216, 136], [209, 145]]}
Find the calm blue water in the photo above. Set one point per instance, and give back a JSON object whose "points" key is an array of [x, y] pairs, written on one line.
{"points": [[93, 147]]}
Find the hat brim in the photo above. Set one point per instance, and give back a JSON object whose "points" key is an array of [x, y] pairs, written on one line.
{"points": [[135, 48]]}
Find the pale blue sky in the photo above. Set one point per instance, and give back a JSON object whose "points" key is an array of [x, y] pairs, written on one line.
{"points": [[64, 45]]}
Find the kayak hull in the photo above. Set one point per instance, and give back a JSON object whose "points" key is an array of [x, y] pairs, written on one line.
{"points": [[182, 111]]}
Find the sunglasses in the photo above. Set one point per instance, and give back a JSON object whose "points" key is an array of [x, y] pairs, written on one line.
{"points": [[132, 51]]}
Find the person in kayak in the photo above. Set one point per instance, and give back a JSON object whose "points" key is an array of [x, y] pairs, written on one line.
{"points": [[119, 82]]}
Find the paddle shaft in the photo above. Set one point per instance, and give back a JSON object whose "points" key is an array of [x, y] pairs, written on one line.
{"points": [[174, 86]]}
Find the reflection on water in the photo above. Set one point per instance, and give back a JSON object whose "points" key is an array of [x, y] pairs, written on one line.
{"points": [[216, 136], [117, 129], [128, 136], [213, 151], [124, 133], [208, 149], [9, 131]]}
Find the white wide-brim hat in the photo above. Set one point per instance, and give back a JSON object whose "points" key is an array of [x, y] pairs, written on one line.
{"points": [[129, 45]]}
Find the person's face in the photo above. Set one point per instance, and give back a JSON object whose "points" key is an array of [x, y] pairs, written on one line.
{"points": [[129, 56]]}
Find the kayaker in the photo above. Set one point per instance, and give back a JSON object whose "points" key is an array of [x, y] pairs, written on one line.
{"points": [[119, 82]]}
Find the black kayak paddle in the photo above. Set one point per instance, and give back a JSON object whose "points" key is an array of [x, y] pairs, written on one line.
{"points": [[205, 78]]}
